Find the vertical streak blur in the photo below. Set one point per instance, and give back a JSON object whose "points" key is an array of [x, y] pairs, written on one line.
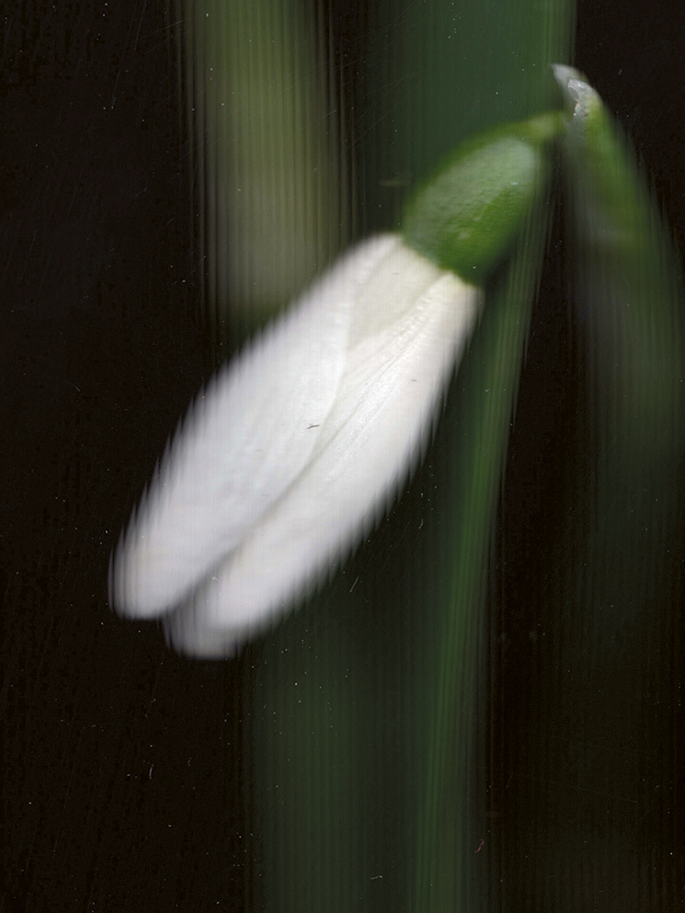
{"points": [[264, 107], [364, 712], [455, 854]]}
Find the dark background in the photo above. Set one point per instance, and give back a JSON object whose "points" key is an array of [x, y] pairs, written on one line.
{"points": [[116, 753]]}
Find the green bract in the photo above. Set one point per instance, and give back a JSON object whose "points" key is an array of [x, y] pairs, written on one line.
{"points": [[467, 217], [628, 281], [613, 210]]}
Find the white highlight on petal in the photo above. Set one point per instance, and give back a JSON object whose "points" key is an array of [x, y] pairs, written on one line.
{"points": [[296, 449]]}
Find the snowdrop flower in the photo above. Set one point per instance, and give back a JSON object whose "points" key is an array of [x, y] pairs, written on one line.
{"points": [[299, 445]]}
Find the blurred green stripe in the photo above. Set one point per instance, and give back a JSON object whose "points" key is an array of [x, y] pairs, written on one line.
{"points": [[450, 864]]}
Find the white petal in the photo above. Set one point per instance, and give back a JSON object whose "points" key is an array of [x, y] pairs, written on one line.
{"points": [[242, 444], [410, 322]]}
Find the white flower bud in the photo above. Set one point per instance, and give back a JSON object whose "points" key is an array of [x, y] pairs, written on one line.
{"points": [[295, 449]]}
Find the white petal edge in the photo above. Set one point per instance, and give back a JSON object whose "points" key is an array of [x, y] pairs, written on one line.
{"points": [[243, 442], [410, 324]]}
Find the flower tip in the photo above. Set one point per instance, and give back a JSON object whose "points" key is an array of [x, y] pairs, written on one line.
{"points": [[579, 95], [563, 74], [203, 628]]}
